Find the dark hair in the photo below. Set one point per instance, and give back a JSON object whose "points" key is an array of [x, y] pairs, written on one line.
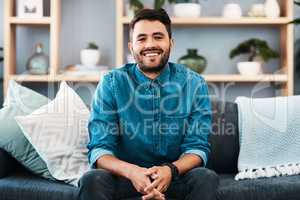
{"points": [[152, 15]]}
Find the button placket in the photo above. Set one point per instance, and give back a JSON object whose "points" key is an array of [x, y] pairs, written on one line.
{"points": [[156, 115]]}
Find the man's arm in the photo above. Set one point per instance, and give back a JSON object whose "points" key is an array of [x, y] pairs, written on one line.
{"points": [[115, 166], [137, 175], [187, 162], [195, 147], [104, 137]]}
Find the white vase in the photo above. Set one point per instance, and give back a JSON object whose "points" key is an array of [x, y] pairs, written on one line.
{"points": [[89, 57], [187, 10], [272, 9], [249, 68], [232, 10]]}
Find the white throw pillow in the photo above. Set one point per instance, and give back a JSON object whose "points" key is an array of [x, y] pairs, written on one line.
{"points": [[58, 131]]}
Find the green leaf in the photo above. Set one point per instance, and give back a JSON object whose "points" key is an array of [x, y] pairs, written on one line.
{"points": [[158, 4], [136, 5], [295, 21], [172, 1], [254, 47], [92, 45]]}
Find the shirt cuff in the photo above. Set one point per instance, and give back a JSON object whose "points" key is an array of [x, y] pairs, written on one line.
{"points": [[96, 154], [199, 153]]}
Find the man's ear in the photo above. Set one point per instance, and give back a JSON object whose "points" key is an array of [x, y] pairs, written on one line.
{"points": [[172, 43], [130, 47]]}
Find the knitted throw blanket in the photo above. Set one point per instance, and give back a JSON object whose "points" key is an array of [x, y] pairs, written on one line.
{"points": [[269, 131]]}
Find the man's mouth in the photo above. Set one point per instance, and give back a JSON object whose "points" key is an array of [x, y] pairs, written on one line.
{"points": [[151, 53]]}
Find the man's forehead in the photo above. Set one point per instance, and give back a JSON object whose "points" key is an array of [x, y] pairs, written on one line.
{"points": [[149, 27]]}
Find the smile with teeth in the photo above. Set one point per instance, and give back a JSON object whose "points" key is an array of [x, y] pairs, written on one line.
{"points": [[151, 53]]}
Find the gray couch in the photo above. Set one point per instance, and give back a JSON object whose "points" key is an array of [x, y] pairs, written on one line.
{"points": [[16, 183]]}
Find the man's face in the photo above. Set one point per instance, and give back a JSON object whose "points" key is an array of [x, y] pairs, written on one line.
{"points": [[150, 45]]}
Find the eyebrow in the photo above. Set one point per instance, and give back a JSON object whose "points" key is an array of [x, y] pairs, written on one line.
{"points": [[158, 33], [155, 33]]}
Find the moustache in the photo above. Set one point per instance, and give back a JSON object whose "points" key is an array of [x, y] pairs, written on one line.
{"points": [[157, 50]]}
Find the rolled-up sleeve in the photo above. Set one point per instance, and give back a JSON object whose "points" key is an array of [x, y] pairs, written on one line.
{"points": [[196, 137], [103, 122]]}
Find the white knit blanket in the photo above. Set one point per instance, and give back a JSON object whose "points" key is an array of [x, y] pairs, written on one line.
{"points": [[269, 130]]}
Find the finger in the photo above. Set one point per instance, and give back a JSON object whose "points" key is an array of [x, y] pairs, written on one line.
{"points": [[164, 189], [150, 171], [148, 196], [154, 176], [155, 194], [153, 185], [160, 187], [158, 195]]}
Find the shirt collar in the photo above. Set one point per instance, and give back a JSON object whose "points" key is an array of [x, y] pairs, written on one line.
{"points": [[161, 79]]}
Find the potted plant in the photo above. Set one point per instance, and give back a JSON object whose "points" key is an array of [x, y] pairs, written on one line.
{"points": [[90, 56], [297, 20], [187, 8], [1, 57], [258, 51], [136, 5]]}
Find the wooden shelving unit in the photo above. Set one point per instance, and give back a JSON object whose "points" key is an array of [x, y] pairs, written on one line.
{"points": [[10, 24], [18, 21], [56, 78], [216, 21], [282, 23], [54, 20], [210, 78]]}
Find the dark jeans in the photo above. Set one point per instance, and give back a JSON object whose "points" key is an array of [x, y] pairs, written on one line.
{"points": [[199, 183]]}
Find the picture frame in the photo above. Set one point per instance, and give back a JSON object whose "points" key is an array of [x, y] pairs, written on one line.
{"points": [[30, 8]]}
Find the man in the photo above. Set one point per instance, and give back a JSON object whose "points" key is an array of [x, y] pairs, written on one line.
{"points": [[149, 124]]}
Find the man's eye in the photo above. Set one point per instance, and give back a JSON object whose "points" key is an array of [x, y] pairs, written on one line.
{"points": [[158, 37], [141, 39]]}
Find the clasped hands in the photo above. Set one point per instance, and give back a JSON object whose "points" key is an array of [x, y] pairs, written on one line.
{"points": [[141, 180]]}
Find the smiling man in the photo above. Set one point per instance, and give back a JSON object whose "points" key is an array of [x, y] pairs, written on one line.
{"points": [[149, 124]]}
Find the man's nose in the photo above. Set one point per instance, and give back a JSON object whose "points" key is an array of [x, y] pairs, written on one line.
{"points": [[150, 42]]}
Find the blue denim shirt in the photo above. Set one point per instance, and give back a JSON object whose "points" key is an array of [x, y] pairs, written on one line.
{"points": [[148, 122]]}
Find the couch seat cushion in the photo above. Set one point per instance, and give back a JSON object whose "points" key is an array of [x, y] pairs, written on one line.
{"points": [[27, 186], [275, 188]]}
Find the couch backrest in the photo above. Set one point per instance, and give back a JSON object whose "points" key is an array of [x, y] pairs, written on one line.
{"points": [[7, 163], [224, 138]]}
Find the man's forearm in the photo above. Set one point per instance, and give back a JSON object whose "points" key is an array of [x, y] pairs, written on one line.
{"points": [[115, 165], [187, 162]]}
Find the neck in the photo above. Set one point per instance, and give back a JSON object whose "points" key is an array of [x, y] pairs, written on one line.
{"points": [[150, 75]]}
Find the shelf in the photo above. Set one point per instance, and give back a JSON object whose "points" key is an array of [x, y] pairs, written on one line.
{"points": [[222, 21], [208, 78], [245, 78], [32, 78], [57, 78], [28, 21]]}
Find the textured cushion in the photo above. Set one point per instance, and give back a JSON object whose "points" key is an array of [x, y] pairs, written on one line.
{"points": [[224, 139], [29, 187], [7, 163], [58, 131], [280, 188], [20, 101]]}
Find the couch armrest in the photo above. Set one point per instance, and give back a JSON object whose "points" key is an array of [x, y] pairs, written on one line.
{"points": [[7, 163]]}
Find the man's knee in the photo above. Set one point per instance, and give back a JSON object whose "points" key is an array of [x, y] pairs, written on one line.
{"points": [[201, 174], [96, 177]]}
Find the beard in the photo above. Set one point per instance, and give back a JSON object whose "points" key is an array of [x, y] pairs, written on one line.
{"points": [[152, 69]]}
